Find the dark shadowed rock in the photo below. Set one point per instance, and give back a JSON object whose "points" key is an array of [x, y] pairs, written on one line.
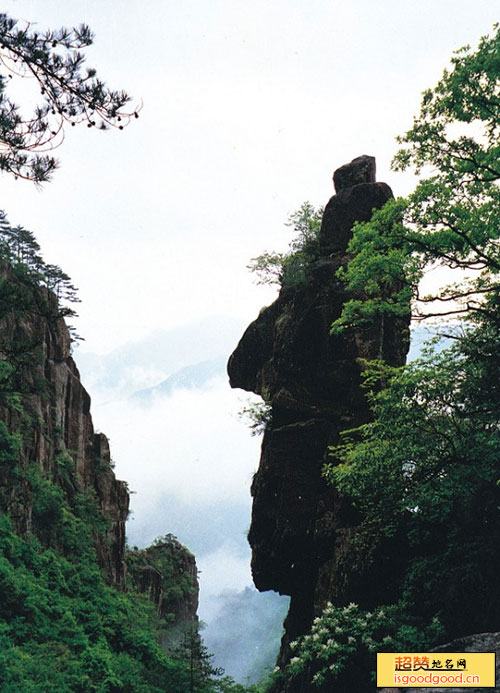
{"points": [[348, 206], [301, 532], [359, 170]]}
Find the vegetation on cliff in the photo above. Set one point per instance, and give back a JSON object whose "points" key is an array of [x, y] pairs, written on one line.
{"points": [[68, 622], [289, 268], [62, 626], [450, 220], [426, 469]]}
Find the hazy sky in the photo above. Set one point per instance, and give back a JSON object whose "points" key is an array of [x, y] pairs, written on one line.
{"points": [[247, 109]]}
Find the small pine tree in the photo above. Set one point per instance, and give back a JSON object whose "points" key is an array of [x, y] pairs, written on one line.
{"points": [[69, 94], [201, 669]]}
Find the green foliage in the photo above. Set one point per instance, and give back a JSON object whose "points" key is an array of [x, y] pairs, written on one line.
{"points": [[9, 447], [340, 650], [67, 93], [63, 629], [289, 269], [226, 684], [451, 219], [64, 473], [382, 270], [201, 669], [428, 466], [19, 247], [167, 556], [426, 469], [257, 415]]}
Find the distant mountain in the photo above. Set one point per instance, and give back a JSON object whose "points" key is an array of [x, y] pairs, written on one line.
{"points": [[183, 357], [260, 616], [421, 335], [189, 378], [149, 361]]}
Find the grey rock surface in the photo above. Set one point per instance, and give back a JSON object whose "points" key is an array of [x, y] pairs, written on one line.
{"points": [[359, 170]]}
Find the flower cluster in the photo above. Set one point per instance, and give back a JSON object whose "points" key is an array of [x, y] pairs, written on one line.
{"points": [[346, 638]]}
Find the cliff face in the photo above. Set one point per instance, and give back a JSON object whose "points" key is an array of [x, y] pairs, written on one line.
{"points": [[167, 573], [62, 527], [55, 421], [301, 532]]}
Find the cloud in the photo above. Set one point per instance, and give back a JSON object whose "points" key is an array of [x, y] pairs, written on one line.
{"points": [[190, 445], [190, 460], [245, 631]]}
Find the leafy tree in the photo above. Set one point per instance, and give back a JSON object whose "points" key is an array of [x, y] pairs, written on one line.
{"points": [[340, 651], [451, 219], [257, 415], [289, 268], [69, 94], [427, 467]]}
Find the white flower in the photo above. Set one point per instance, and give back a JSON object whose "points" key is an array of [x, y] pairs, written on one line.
{"points": [[293, 645], [294, 660], [350, 607]]}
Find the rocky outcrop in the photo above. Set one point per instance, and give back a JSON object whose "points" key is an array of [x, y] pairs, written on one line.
{"points": [[56, 423], [301, 532], [167, 573]]}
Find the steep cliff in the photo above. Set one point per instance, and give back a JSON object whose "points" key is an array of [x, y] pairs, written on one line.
{"points": [[70, 619], [167, 573], [301, 532], [53, 415]]}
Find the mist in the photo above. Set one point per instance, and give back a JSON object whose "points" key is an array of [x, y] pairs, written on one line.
{"points": [[189, 459]]}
